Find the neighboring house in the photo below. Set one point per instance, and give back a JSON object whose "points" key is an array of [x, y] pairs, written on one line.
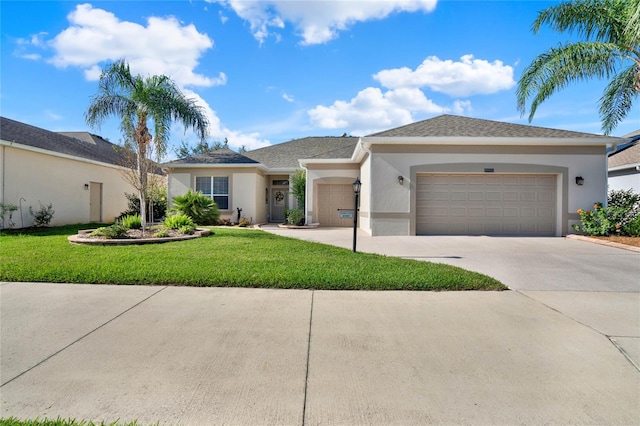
{"points": [[80, 174], [624, 164], [447, 175]]}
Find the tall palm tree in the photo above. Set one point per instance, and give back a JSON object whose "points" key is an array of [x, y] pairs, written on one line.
{"points": [[611, 50], [136, 100]]}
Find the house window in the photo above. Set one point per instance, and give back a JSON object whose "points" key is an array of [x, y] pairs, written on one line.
{"points": [[215, 187]]}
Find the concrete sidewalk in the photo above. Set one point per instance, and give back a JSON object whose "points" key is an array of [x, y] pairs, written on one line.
{"points": [[179, 355]]}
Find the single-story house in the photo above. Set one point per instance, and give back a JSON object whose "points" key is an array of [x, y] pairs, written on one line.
{"points": [[624, 164], [446, 175], [79, 173]]}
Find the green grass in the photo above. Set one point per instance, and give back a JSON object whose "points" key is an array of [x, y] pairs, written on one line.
{"points": [[229, 258], [12, 421]]}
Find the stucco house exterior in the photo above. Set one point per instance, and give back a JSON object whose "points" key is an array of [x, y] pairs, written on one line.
{"points": [[81, 174], [624, 164], [446, 175]]}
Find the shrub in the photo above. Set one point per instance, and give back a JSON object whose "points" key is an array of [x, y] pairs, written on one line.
{"points": [[619, 217], [632, 228], [178, 221], [114, 231], [626, 205], [133, 221], [187, 230], [198, 207], [7, 209], [295, 217], [163, 233], [244, 222], [159, 207], [298, 186], [42, 216]]}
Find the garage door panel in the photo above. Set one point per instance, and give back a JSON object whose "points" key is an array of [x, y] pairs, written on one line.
{"points": [[331, 198], [494, 196], [475, 196], [486, 204]]}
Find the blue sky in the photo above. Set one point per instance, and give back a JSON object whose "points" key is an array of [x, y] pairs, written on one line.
{"points": [[271, 71]]}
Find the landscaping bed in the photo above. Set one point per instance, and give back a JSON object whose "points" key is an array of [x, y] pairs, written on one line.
{"points": [[134, 236], [628, 241]]}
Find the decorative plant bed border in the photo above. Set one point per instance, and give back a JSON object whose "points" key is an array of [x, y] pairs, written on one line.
{"points": [[82, 238], [309, 226]]}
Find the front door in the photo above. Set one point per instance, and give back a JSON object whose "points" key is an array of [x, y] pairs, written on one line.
{"points": [[278, 204], [95, 202]]}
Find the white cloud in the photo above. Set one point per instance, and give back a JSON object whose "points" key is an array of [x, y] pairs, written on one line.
{"points": [[223, 18], [317, 22], [287, 97], [52, 115], [217, 131], [467, 77], [372, 110], [31, 56], [461, 107], [163, 46]]}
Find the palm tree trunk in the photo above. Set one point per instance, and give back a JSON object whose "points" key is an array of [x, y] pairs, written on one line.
{"points": [[142, 188]]}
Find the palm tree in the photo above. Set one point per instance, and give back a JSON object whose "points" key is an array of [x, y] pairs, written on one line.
{"points": [[611, 50], [136, 100]]}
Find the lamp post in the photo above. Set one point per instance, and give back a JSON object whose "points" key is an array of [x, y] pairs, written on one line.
{"points": [[356, 193]]}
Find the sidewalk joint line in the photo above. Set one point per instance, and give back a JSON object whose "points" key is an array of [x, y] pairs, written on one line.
{"points": [[306, 378], [81, 337]]}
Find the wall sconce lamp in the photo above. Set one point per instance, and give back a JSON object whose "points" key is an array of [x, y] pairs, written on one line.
{"points": [[86, 186], [400, 180], [579, 180]]}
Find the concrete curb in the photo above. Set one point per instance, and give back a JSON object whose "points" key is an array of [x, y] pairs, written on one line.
{"points": [[603, 242]]}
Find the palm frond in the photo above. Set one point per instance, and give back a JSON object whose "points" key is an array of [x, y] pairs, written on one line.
{"points": [[557, 68], [602, 20], [618, 98]]}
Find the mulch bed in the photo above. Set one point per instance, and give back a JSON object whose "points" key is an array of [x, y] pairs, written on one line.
{"points": [[629, 241]]}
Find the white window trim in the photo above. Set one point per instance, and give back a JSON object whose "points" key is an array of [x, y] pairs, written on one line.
{"points": [[211, 187]]}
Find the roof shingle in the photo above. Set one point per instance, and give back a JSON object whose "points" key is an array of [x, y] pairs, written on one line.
{"points": [[629, 155], [87, 146], [218, 156], [457, 126], [287, 154]]}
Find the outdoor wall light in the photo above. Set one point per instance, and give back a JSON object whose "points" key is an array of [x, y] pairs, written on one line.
{"points": [[400, 180], [86, 186], [579, 180]]}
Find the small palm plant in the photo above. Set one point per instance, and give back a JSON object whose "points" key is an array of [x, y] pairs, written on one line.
{"points": [[202, 209]]}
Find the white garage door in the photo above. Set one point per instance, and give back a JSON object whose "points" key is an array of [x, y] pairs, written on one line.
{"points": [[331, 199], [487, 204]]}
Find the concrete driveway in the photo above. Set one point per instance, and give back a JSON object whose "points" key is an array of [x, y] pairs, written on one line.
{"points": [[177, 355]]}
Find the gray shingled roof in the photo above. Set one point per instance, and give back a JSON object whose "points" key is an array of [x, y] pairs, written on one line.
{"points": [[97, 149], [629, 155], [287, 154], [452, 126], [219, 156]]}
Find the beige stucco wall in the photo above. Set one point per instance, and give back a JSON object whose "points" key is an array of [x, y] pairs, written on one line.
{"points": [[38, 176], [246, 189], [390, 203]]}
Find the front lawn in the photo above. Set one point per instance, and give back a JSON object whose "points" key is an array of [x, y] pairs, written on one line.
{"points": [[229, 258]]}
